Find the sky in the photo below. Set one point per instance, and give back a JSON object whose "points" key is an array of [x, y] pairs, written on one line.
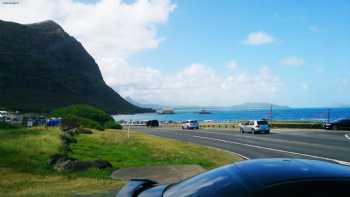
{"points": [[205, 52]]}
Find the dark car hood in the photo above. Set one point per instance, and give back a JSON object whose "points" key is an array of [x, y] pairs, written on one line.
{"points": [[135, 186], [269, 171], [156, 191]]}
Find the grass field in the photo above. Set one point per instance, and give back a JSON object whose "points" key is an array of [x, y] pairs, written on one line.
{"points": [[24, 153]]}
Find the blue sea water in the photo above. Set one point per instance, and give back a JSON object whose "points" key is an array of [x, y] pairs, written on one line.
{"points": [[221, 115]]}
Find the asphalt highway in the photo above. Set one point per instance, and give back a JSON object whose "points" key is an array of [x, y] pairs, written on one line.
{"points": [[325, 145]]}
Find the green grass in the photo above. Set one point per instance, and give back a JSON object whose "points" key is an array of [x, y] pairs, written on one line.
{"points": [[24, 154], [145, 150]]}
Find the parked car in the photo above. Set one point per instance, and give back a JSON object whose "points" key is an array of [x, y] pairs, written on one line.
{"points": [[4, 116], [152, 123], [190, 124], [254, 178], [338, 124], [255, 126]]}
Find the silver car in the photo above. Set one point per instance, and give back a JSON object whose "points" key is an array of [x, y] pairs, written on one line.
{"points": [[255, 126], [190, 124]]}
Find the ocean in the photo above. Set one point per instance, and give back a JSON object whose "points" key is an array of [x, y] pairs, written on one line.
{"points": [[223, 115]]}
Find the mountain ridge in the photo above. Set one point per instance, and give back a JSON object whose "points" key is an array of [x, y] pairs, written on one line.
{"points": [[42, 68]]}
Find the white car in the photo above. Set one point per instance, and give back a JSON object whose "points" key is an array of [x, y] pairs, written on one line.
{"points": [[190, 124], [255, 126], [4, 116]]}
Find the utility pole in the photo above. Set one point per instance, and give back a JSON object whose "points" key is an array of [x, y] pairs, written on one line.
{"points": [[130, 122], [328, 115], [271, 114]]}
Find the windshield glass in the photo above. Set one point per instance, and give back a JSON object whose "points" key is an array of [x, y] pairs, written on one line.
{"points": [[93, 92], [214, 183], [262, 122]]}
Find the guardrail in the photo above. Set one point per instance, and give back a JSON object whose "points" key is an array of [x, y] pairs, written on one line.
{"points": [[301, 125]]}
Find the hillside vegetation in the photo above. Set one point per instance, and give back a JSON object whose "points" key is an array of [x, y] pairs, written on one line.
{"points": [[43, 68], [86, 116]]}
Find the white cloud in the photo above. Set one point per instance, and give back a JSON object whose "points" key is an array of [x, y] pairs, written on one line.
{"points": [[112, 30], [199, 84], [292, 61], [259, 38]]}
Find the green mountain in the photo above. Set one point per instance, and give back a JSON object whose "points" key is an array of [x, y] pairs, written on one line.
{"points": [[43, 68]]}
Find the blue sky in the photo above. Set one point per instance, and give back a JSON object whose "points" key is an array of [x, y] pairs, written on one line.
{"points": [[223, 52], [212, 33]]}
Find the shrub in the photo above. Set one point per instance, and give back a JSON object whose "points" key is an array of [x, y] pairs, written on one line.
{"points": [[6, 125], [82, 122], [83, 115], [83, 111], [84, 131], [112, 125]]}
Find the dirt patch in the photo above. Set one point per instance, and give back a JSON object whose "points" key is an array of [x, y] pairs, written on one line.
{"points": [[161, 174]]}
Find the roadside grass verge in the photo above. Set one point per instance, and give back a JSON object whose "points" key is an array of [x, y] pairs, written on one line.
{"points": [[18, 184], [146, 150], [24, 153]]}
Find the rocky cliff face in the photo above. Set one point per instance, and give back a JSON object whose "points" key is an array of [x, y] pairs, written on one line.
{"points": [[42, 68]]}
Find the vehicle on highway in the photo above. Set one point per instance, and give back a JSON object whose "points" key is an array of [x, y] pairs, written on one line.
{"points": [[152, 123], [4, 116], [338, 124], [255, 126], [190, 124], [260, 177]]}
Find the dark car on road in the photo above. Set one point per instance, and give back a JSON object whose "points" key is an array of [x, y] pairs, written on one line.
{"points": [[343, 124], [260, 177], [152, 123]]}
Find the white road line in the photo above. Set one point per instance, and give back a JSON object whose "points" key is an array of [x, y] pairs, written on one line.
{"points": [[347, 136], [244, 157], [273, 149], [231, 152]]}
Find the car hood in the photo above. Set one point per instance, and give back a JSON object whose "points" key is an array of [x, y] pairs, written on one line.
{"points": [[156, 191], [135, 186]]}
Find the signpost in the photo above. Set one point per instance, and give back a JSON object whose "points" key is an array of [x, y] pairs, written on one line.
{"points": [[130, 122], [270, 114]]}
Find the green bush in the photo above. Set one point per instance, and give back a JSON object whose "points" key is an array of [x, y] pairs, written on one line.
{"points": [[6, 125], [113, 125], [83, 111], [82, 122], [84, 116]]}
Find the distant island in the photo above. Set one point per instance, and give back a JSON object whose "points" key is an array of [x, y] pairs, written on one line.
{"points": [[207, 109], [258, 106], [42, 68]]}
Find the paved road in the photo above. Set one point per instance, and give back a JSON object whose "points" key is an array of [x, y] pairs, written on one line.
{"points": [[298, 143]]}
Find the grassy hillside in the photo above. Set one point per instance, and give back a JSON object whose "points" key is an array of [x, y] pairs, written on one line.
{"points": [[24, 154]]}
